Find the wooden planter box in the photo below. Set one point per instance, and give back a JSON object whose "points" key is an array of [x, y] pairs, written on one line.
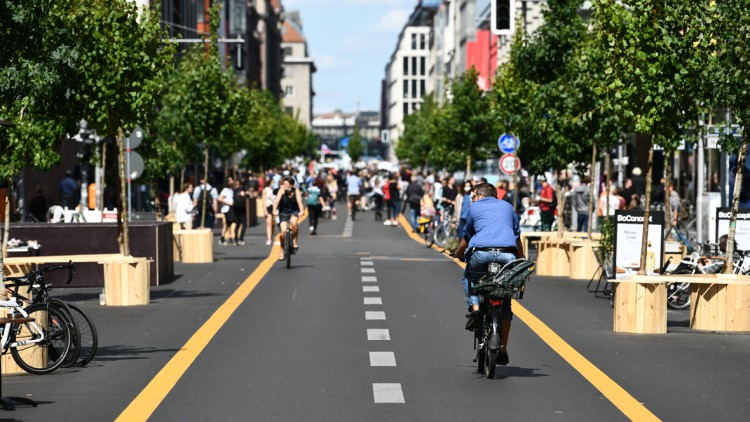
{"points": [[640, 306], [126, 281], [194, 246], [553, 257], [583, 264], [721, 305]]}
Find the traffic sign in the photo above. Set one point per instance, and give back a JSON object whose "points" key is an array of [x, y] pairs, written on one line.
{"points": [[508, 143], [135, 137], [509, 164], [136, 165]]}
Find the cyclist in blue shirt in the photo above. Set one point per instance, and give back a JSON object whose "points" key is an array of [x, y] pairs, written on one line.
{"points": [[353, 189], [492, 234]]}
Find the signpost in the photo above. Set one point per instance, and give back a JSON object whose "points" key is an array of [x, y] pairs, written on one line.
{"points": [[509, 164], [134, 161], [508, 143]]}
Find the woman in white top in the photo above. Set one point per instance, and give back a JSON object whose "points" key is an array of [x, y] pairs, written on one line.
{"points": [[268, 198], [183, 207]]}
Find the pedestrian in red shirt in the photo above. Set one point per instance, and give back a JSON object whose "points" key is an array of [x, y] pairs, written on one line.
{"points": [[546, 205]]}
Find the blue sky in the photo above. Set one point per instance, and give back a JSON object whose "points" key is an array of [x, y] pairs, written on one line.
{"points": [[351, 41]]}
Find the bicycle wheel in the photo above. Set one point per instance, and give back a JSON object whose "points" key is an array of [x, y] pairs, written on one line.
{"points": [[481, 351], [44, 356], [492, 343], [288, 247], [88, 335], [75, 335], [678, 294]]}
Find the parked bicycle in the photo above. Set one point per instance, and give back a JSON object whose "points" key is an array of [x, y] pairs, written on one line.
{"points": [[496, 286], [446, 232], [86, 339], [40, 345]]}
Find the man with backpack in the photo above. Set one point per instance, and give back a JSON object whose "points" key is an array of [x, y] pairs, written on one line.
{"points": [[205, 193]]}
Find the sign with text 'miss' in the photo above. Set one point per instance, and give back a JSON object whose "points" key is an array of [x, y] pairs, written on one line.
{"points": [[741, 233], [629, 234]]}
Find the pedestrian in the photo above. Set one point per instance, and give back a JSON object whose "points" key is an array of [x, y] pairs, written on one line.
{"points": [[183, 206], [674, 204], [226, 201], [614, 202], [414, 194], [241, 195], [463, 205], [315, 203], [581, 201], [639, 182], [39, 205], [377, 196], [68, 189], [269, 196], [546, 204], [333, 191], [394, 190], [205, 196], [502, 189], [448, 202]]}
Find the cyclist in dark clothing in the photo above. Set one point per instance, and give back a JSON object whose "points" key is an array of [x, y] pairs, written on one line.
{"points": [[288, 206]]}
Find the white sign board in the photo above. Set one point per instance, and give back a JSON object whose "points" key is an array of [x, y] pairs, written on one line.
{"points": [[628, 236], [741, 234]]}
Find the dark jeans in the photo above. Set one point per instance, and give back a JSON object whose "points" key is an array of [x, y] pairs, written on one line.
{"points": [[239, 228], [315, 211], [548, 217], [209, 220], [388, 208], [415, 210], [583, 221]]}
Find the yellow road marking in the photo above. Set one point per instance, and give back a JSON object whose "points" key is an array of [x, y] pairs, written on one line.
{"points": [[626, 403], [144, 405]]}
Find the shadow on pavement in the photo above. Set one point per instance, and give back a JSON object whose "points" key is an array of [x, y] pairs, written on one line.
{"points": [[516, 372], [171, 293], [119, 352]]}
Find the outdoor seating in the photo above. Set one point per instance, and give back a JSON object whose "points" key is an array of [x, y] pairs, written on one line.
{"points": [[604, 273]]}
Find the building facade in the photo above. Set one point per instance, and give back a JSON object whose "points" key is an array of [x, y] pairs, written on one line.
{"points": [[298, 69], [334, 130]]}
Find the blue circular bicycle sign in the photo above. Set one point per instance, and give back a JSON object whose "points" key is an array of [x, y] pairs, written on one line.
{"points": [[508, 143]]}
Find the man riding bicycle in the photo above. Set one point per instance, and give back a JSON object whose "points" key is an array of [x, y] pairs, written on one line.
{"points": [[492, 234], [288, 206], [353, 189]]}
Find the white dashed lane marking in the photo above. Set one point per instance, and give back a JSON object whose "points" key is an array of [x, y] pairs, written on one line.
{"points": [[374, 315], [378, 334], [382, 359], [367, 263], [367, 289], [370, 279], [368, 270], [373, 301], [388, 393]]}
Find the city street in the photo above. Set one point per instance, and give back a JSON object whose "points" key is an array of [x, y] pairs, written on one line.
{"points": [[371, 327]]}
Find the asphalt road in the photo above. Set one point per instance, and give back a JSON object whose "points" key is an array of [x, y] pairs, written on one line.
{"points": [[297, 347]]}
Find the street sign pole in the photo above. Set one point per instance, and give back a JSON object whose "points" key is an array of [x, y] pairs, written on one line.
{"points": [[127, 151], [699, 197]]}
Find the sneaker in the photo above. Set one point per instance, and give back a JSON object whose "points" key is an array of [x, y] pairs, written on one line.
{"points": [[312, 229], [474, 322], [502, 357], [268, 242], [387, 223], [240, 243], [222, 242]]}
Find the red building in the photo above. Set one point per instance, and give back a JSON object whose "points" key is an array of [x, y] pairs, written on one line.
{"points": [[482, 55]]}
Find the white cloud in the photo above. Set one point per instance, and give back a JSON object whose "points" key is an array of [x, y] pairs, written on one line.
{"points": [[393, 21], [332, 63]]}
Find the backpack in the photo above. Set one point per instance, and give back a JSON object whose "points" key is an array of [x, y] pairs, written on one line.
{"points": [[313, 195], [209, 201]]}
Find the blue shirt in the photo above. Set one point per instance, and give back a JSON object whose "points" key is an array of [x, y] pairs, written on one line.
{"points": [[491, 223], [465, 203], [352, 185]]}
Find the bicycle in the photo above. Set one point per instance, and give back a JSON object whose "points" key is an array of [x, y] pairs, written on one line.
{"points": [[85, 343], [678, 294], [446, 233], [496, 286], [38, 346], [354, 203]]}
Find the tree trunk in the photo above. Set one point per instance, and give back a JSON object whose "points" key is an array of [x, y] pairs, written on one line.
{"points": [[205, 186], [667, 184], [170, 205], [122, 215], [104, 173], [729, 266], [560, 207], [607, 181], [515, 190], [647, 211], [157, 199], [591, 191], [468, 167], [6, 230]]}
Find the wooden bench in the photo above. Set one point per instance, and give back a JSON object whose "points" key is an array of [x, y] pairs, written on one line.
{"points": [[583, 263], [126, 278], [718, 302]]}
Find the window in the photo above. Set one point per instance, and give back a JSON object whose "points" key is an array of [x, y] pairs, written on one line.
{"points": [[289, 91], [422, 67], [287, 52], [422, 88], [289, 110], [406, 109], [414, 70], [406, 88], [406, 65], [413, 41], [423, 41], [414, 93]]}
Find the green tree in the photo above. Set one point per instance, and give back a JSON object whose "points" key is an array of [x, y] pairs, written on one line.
{"points": [[658, 67], [354, 148], [123, 63], [732, 43], [38, 77], [261, 140], [420, 138]]}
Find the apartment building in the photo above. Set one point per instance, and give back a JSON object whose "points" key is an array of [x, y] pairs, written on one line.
{"points": [[298, 69]]}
